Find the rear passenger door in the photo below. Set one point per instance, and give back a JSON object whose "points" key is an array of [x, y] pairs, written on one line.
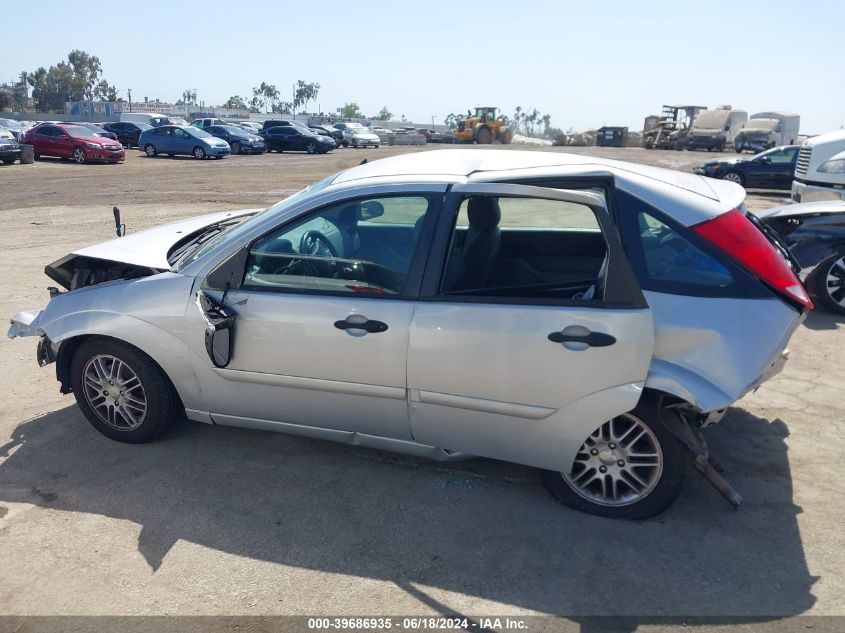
{"points": [[531, 330]]}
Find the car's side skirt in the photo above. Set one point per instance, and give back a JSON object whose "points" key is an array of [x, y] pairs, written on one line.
{"points": [[345, 437]]}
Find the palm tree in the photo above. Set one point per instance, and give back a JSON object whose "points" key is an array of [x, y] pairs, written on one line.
{"points": [[517, 117], [547, 120]]}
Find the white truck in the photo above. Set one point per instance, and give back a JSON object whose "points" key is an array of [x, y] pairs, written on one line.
{"points": [[715, 129], [152, 118], [820, 170], [766, 130]]}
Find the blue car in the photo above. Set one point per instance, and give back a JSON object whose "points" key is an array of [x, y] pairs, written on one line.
{"points": [[178, 139]]}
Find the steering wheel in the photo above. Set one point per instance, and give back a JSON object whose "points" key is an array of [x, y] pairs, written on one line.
{"points": [[314, 244]]}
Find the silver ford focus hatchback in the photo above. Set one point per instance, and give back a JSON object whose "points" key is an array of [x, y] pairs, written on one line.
{"points": [[583, 316]]}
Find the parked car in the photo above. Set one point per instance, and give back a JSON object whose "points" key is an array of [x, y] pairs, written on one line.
{"points": [[289, 137], [450, 315], [174, 139], [431, 136], [239, 140], [96, 129], [72, 141], [16, 128], [772, 169], [204, 123], [332, 131], [10, 151], [271, 123], [815, 235], [250, 126], [127, 132], [357, 135]]}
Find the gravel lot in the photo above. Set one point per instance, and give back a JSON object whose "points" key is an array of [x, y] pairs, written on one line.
{"points": [[227, 521]]}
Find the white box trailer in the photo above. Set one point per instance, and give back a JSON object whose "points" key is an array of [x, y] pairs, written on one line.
{"points": [[766, 130]]}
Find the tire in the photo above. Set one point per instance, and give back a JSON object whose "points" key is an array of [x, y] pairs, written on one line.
{"points": [[161, 405], [346, 143], [8, 161], [738, 148], [483, 137], [375, 146], [150, 150], [236, 148], [198, 152], [79, 156], [36, 155], [311, 148], [734, 176], [664, 479], [128, 144], [830, 271]]}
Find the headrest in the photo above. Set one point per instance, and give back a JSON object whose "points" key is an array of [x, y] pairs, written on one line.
{"points": [[348, 217], [484, 213]]}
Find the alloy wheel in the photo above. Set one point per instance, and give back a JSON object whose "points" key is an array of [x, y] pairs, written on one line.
{"points": [[199, 153], [619, 464], [79, 155], [236, 148], [835, 281], [733, 177], [114, 392]]}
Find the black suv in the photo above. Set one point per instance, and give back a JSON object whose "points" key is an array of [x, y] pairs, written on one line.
{"points": [[127, 132]]}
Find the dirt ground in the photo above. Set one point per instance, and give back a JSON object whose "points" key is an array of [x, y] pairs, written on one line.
{"points": [[226, 521]]}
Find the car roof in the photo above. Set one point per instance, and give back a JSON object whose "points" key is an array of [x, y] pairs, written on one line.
{"points": [[687, 197]]}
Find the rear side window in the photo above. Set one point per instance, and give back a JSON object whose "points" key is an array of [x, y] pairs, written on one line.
{"points": [[524, 248], [669, 257]]}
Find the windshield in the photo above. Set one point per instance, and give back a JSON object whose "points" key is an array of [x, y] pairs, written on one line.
{"points": [[9, 123], [197, 132], [77, 131], [177, 120], [144, 126], [234, 229], [235, 131], [762, 124]]}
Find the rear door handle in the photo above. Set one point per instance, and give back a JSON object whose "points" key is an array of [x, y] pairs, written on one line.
{"points": [[593, 339], [357, 322]]}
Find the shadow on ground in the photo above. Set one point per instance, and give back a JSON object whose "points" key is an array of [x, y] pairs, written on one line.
{"points": [[820, 319], [480, 528]]}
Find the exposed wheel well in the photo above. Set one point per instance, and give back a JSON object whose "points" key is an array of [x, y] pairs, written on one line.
{"points": [[68, 348]]}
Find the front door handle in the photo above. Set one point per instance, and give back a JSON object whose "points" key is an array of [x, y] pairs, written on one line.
{"points": [[593, 339], [358, 322]]}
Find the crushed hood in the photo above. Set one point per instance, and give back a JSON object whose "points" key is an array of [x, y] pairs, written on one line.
{"points": [[150, 247], [141, 253]]}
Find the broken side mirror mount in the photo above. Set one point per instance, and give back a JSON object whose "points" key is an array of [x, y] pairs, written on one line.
{"points": [[219, 332]]}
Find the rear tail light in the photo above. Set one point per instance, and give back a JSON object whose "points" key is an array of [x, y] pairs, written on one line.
{"points": [[734, 234]]}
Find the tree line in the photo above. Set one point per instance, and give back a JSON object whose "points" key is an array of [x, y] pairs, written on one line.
{"points": [[77, 79]]}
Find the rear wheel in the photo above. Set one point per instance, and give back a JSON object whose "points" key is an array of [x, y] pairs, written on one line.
{"points": [[122, 391], [236, 148], [8, 161], [828, 283], [79, 156], [150, 150], [199, 153], [631, 467]]}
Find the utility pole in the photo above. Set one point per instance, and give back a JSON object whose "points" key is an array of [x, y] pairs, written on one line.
{"points": [[129, 92]]}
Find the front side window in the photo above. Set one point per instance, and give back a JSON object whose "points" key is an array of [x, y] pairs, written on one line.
{"points": [[782, 155], [528, 248], [362, 246], [179, 133]]}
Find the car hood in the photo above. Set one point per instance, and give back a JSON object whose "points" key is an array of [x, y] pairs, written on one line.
{"points": [[724, 161], [806, 208], [145, 249]]}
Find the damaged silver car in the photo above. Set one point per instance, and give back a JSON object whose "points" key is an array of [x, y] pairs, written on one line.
{"points": [[583, 316]]}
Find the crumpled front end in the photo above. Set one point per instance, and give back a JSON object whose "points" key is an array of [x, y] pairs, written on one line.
{"points": [[25, 323]]}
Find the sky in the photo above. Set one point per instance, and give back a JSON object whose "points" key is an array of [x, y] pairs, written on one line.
{"points": [[587, 63]]}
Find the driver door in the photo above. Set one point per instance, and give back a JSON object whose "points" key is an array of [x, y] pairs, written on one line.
{"points": [[323, 317]]}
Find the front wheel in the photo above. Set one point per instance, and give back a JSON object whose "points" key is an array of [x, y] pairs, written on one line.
{"points": [[734, 176], [79, 156], [631, 467], [236, 148], [199, 153], [122, 391], [828, 283], [311, 148], [150, 150]]}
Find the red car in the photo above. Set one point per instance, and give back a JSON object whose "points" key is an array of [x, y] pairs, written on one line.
{"points": [[72, 141]]}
